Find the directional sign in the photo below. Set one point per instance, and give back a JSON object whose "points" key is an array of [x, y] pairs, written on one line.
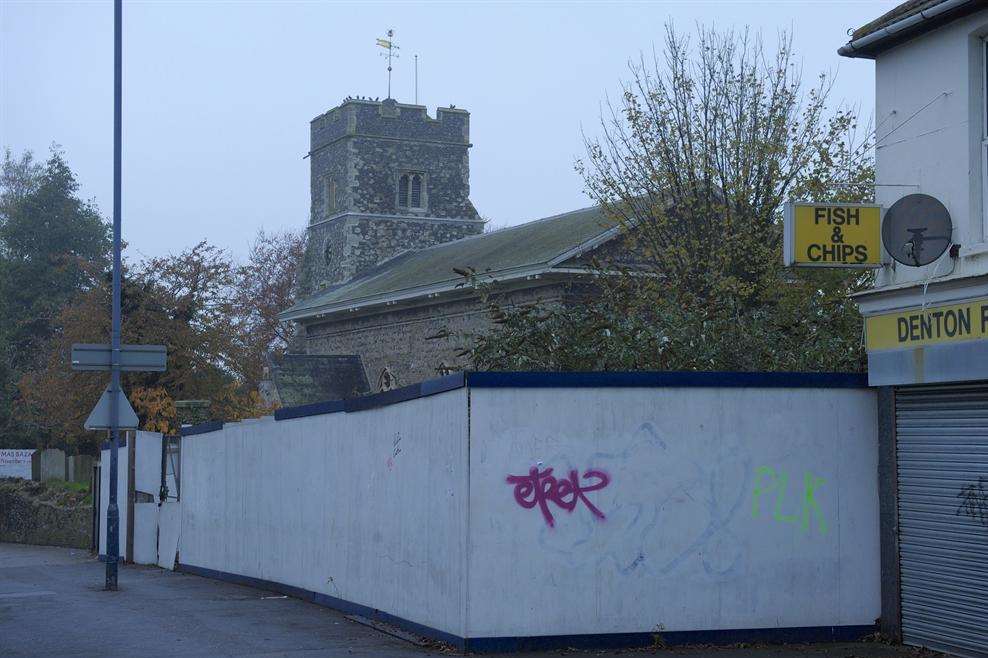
{"points": [[832, 235], [99, 417], [133, 358]]}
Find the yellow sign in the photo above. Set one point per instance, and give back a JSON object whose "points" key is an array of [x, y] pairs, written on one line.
{"points": [[930, 326], [833, 235]]}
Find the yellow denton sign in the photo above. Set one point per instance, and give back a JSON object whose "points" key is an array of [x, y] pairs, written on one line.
{"points": [[930, 326], [833, 235]]}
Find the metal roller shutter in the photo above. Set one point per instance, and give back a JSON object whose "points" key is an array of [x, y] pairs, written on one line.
{"points": [[942, 452]]}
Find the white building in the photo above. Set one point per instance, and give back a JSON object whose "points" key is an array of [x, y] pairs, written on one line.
{"points": [[927, 327]]}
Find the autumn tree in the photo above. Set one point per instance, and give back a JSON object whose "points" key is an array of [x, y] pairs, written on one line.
{"points": [[695, 161], [265, 285], [217, 318]]}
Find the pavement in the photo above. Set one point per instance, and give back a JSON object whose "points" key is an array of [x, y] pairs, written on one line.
{"points": [[52, 604]]}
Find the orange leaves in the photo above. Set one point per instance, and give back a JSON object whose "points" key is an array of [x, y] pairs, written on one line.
{"points": [[156, 409]]}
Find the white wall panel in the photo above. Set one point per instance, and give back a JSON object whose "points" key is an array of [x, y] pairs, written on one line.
{"points": [[369, 506], [682, 545], [145, 532]]}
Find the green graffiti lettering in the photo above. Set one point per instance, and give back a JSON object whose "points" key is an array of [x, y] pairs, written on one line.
{"points": [[761, 488], [810, 484], [780, 499], [770, 481]]}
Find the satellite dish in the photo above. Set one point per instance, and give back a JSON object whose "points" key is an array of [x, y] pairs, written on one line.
{"points": [[916, 230]]}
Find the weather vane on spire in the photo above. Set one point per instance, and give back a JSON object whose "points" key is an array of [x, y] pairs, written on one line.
{"points": [[391, 47]]}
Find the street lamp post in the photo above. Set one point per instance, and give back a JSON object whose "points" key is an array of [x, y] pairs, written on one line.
{"points": [[112, 510]]}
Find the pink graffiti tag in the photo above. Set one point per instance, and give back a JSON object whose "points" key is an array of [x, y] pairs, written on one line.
{"points": [[540, 487]]}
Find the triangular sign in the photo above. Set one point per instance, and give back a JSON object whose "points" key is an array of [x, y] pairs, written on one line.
{"points": [[99, 417]]}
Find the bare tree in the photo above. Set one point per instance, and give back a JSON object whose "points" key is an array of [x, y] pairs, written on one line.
{"points": [[695, 160], [706, 144]]}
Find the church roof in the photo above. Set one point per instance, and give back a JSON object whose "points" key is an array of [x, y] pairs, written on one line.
{"points": [[517, 252]]}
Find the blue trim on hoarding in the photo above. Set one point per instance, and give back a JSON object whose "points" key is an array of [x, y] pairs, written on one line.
{"points": [[796, 635], [203, 428], [606, 641], [313, 409], [364, 402], [666, 379], [442, 384], [563, 380]]}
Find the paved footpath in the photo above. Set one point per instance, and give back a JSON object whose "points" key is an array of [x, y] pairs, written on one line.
{"points": [[52, 604]]}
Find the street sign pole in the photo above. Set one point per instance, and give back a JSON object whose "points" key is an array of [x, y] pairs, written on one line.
{"points": [[113, 511]]}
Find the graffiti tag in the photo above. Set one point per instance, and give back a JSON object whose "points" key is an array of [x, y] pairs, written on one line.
{"points": [[974, 501], [768, 481], [541, 487]]}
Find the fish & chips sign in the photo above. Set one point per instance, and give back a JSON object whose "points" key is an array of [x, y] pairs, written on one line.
{"points": [[833, 235]]}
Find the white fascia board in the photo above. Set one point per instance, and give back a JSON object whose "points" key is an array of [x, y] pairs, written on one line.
{"points": [[937, 292]]}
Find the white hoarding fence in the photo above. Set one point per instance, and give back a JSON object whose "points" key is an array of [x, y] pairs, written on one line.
{"points": [[510, 510]]}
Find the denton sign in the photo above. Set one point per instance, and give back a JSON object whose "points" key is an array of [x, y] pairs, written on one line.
{"points": [[930, 326], [833, 235]]}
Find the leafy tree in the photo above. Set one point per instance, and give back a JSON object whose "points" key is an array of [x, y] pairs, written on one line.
{"points": [[214, 316], [265, 286], [53, 247], [695, 162]]}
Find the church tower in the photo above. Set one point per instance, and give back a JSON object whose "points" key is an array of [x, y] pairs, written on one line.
{"points": [[385, 178]]}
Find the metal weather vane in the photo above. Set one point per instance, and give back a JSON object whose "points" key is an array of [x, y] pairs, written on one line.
{"points": [[391, 47]]}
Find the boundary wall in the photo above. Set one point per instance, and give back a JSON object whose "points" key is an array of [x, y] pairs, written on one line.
{"points": [[508, 511]]}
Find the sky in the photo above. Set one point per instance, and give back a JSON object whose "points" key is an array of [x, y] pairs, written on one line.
{"points": [[218, 95]]}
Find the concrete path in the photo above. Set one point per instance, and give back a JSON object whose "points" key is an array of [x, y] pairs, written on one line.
{"points": [[52, 604]]}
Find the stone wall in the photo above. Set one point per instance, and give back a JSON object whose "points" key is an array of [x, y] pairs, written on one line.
{"points": [[362, 147], [342, 248], [399, 340], [32, 513]]}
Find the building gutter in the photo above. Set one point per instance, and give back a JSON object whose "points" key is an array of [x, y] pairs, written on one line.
{"points": [[869, 45], [428, 291]]}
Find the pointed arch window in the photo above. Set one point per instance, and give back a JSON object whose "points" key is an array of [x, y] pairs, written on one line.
{"points": [[412, 190], [415, 196], [403, 190]]}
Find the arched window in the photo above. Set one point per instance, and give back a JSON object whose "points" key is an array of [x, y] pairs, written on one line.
{"points": [[403, 190], [411, 190], [387, 381], [416, 196]]}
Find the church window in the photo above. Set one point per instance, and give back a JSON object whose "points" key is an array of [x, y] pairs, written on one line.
{"points": [[387, 381], [411, 190], [330, 196], [416, 193], [403, 190]]}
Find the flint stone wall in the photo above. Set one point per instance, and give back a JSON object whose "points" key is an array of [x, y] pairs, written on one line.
{"points": [[27, 517]]}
